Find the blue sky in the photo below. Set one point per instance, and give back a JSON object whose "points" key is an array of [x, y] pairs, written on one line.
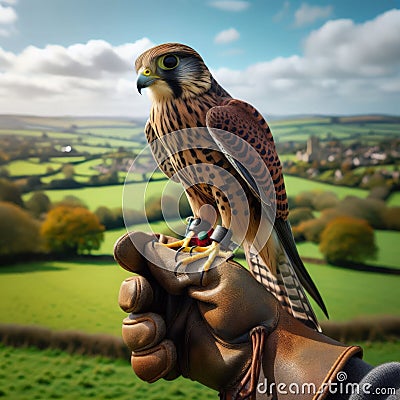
{"points": [[285, 57]]}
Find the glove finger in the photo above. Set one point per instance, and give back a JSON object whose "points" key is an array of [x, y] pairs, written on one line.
{"points": [[128, 256], [156, 362], [135, 294], [143, 331], [128, 250]]}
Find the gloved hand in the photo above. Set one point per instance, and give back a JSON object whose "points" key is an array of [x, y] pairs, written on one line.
{"points": [[221, 327]]}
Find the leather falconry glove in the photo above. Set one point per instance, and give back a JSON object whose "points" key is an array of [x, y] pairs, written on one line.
{"points": [[220, 327]]}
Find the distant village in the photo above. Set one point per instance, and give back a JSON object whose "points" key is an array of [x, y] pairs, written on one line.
{"points": [[332, 160]]}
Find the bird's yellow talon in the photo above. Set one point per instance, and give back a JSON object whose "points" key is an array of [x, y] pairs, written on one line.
{"points": [[209, 253], [182, 244]]}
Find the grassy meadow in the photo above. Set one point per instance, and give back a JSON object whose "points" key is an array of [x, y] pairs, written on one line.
{"points": [[388, 249], [295, 185], [52, 374], [82, 295]]}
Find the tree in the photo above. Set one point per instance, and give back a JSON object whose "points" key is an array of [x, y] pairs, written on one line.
{"points": [[372, 210], [32, 183], [111, 219], [304, 199], [4, 173], [300, 214], [309, 230], [38, 204], [167, 207], [72, 230], [324, 200], [68, 171], [19, 232], [392, 218], [109, 178], [71, 201], [348, 239], [10, 192]]}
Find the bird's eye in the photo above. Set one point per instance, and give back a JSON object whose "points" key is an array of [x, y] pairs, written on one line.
{"points": [[168, 61]]}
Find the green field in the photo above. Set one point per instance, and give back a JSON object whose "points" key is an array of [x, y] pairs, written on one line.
{"points": [[386, 241], [87, 168], [30, 167], [300, 130], [351, 294], [63, 295], [295, 185], [394, 200], [91, 149], [32, 374], [111, 196], [111, 236], [83, 295], [36, 133], [121, 132]]}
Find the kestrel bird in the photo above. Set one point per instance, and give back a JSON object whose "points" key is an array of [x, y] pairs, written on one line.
{"points": [[186, 95]]}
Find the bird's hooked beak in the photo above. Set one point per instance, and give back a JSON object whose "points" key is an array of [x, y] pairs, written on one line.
{"points": [[145, 79]]}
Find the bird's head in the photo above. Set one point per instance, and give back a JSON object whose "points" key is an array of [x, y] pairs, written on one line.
{"points": [[172, 70]]}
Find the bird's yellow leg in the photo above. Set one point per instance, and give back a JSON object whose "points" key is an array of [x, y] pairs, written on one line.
{"points": [[181, 244], [210, 252]]}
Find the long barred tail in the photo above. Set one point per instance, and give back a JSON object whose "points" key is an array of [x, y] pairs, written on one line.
{"points": [[285, 286]]}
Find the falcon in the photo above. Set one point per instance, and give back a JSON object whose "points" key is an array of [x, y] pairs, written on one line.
{"points": [[185, 95]]}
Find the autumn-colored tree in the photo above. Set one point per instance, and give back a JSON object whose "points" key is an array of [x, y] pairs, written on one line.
{"points": [[348, 239], [309, 230], [304, 199], [19, 232], [72, 230], [71, 201]]}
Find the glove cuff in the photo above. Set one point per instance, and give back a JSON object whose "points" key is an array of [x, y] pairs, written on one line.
{"points": [[293, 361]]}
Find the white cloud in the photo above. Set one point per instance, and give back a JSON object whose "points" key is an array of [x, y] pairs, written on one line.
{"points": [[345, 67], [369, 49], [308, 14], [80, 79], [227, 36], [8, 17], [90, 60], [230, 5]]}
